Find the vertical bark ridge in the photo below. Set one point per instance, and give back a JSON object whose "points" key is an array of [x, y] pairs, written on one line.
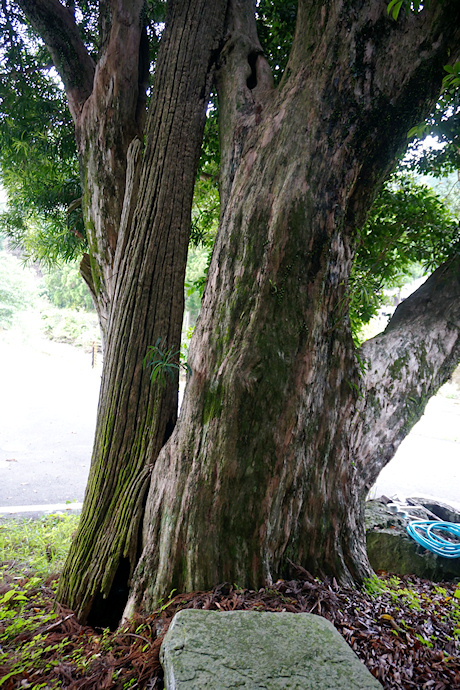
{"points": [[109, 121], [134, 416]]}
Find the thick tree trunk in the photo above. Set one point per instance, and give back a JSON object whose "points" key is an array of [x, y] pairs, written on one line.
{"points": [[262, 468], [137, 207], [268, 463], [136, 417]]}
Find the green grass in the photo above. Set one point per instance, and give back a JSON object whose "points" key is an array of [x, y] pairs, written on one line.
{"points": [[42, 645], [35, 546], [32, 552]]}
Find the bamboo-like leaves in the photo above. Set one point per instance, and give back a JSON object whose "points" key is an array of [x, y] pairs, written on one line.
{"points": [[163, 361], [394, 7]]}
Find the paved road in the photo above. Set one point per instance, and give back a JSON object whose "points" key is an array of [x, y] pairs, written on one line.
{"points": [[427, 462], [48, 404]]}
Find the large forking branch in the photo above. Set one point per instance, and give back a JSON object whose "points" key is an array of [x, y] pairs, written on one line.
{"points": [[389, 61], [56, 25], [107, 102], [121, 27], [405, 366]]}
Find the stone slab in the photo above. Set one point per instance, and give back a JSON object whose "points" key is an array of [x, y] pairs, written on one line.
{"points": [[259, 650]]}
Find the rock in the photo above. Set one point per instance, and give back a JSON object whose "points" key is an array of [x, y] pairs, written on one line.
{"points": [[390, 548], [255, 650], [441, 511]]}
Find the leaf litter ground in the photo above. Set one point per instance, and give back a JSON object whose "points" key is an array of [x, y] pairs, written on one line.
{"points": [[405, 630]]}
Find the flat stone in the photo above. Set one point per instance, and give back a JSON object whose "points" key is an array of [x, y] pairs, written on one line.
{"points": [[255, 650]]}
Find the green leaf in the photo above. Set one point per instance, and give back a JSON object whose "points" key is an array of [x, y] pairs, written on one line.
{"points": [[9, 675], [394, 7], [12, 594]]}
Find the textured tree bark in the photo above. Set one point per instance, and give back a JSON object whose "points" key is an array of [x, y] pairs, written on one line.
{"points": [[265, 466], [136, 417], [107, 102], [404, 367], [137, 203], [274, 448]]}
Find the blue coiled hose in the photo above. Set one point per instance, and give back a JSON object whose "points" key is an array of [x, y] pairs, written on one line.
{"points": [[423, 533]]}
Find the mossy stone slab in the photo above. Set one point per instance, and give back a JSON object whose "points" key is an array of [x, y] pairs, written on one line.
{"points": [[255, 650]]}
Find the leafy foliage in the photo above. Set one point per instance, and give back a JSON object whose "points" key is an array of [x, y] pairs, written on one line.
{"points": [[195, 279], [79, 328], [276, 25], [38, 161], [163, 361], [65, 288], [444, 125], [39, 166], [16, 291], [206, 206], [395, 6], [452, 79], [408, 226]]}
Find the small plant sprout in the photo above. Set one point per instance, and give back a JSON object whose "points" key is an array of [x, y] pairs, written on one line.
{"points": [[163, 361]]}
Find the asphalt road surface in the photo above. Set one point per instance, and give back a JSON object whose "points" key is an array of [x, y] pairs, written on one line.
{"points": [[48, 404]]}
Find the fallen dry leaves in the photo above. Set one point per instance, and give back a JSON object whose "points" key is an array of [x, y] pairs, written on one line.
{"points": [[405, 639]]}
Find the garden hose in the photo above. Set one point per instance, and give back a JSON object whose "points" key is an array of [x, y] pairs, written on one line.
{"points": [[423, 531]]}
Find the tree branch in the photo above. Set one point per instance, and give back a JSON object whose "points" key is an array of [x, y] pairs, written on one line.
{"points": [[56, 25], [387, 67], [405, 366], [243, 80], [122, 64]]}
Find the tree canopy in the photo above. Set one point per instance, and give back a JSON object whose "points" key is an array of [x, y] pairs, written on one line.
{"points": [[39, 164]]}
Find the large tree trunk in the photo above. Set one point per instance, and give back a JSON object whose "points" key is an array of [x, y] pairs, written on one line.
{"points": [[136, 417], [137, 195], [264, 467]]}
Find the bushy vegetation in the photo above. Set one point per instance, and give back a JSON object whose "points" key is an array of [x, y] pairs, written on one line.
{"points": [[70, 326], [16, 289], [65, 288], [58, 294]]}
